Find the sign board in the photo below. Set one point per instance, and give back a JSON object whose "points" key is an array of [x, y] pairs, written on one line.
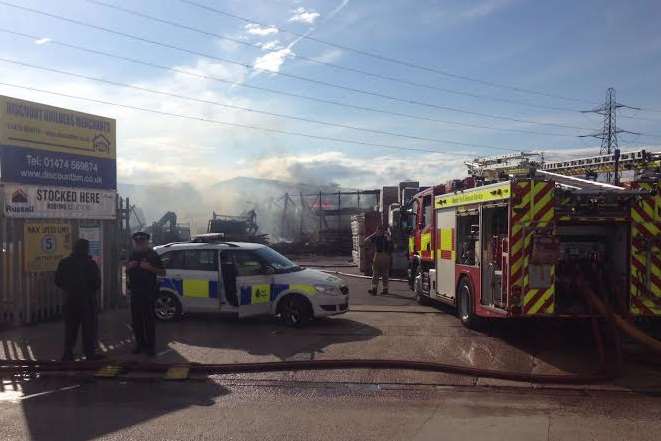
{"points": [[545, 250], [92, 232], [33, 201], [45, 145], [38, 126], [41, 167], [488, 193], [540, 276], [45, 245]]}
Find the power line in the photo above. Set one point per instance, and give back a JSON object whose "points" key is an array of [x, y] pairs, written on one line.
{"points": [[329, 64], [230, 124], [248, 109], [390, 59], [319, 82], [278, 92], [640, 118]]}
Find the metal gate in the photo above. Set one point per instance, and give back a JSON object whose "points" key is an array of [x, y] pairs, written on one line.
{"points": [[30, 297]]}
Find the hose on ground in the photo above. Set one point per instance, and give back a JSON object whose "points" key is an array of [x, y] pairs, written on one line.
{"points": [[359, 276], [18, 367], [625, 326]]}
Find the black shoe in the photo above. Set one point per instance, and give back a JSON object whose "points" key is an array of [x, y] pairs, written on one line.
{"points": [[150, 352], [95, 357], [68, 356], [384, 292], [137, 350], [372, 291]]}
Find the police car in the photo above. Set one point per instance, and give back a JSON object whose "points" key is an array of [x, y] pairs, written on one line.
{"points": [[247, 279]]}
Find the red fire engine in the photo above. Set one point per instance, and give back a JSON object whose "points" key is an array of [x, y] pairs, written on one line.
{"points": [[512, 244]]}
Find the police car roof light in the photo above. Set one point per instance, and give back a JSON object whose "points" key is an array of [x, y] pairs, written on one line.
{"points": [[215, 238]]}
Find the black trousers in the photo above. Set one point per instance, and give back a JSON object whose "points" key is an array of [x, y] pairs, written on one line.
{"points": [[142, 315], [80, 311]]}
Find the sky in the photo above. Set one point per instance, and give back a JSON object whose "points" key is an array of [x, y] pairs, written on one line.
{"points": [[568, 53]]}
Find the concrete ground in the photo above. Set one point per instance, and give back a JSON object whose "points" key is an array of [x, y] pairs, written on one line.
{"points": [[338, 404]]}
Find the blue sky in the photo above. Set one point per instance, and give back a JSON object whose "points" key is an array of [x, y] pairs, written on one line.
{"points": [[566, 48]]}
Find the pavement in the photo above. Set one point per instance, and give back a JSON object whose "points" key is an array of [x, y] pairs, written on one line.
{"points": [[338, 404]]}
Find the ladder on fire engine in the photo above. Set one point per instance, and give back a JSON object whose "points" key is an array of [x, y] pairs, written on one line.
{"points": [[639, 161], [493, 168]]}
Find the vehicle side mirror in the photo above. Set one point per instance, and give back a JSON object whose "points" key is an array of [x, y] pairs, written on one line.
{"points": [[269, 269]]}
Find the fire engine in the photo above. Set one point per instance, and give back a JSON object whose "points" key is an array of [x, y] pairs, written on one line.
{"points": [[510, 240]]}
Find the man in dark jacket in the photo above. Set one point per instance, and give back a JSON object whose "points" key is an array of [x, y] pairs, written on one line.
{"points": [[142, 268], [80, 278]]}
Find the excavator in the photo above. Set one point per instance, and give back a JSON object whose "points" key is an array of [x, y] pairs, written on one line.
{"points": [[241, 228], [167, 230]]}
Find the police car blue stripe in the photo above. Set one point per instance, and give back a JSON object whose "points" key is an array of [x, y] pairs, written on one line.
{"points": [[246, 295], [213, 289], [173, 284], [276, 289]]}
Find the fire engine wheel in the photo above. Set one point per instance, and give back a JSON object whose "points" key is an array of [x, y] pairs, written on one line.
{"points": [[419, 296], [295, 310], [167, 306], [422, 299], [465, 305]]}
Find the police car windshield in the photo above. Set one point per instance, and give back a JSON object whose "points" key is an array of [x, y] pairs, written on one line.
{"points": [[277, 261]]}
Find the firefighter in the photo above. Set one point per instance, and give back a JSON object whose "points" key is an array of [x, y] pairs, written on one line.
{"points": [[142, 268], [80, 278], [382, 244]]}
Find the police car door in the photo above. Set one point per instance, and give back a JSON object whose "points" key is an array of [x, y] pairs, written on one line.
{"points": [[253, 283], [199, 280]]}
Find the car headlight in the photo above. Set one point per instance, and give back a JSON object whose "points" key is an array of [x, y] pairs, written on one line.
{"points": [[327, 289]]}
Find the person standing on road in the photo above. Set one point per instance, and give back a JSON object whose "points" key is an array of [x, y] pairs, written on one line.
{"points": [[382, 259], [79, 276], [142, 268]]}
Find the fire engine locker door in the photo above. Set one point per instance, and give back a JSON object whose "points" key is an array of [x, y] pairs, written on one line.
{"points": [[446, 224]]}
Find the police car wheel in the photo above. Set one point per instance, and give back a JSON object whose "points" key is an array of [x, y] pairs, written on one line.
{"points": [[166, 306], [294, 311]]}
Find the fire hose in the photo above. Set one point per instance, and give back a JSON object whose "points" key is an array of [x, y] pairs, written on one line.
{"points": [[24, 367], [359, 276], [625, 326], [27, 367]]}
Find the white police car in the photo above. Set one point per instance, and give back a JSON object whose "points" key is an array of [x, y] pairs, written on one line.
{"points": [[248, 279]]}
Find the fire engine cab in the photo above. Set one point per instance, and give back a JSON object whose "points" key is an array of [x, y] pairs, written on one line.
{"points": [[513, 245]]}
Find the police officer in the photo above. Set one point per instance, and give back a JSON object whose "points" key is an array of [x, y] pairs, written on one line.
{"points": [[80, 278], [142, 268], [382, 244]]}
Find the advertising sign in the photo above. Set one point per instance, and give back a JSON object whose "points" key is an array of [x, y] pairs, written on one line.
{"points": [[45, 245], [33, 201], [46, 145], [38, 126], [42, 167], [92, 232]]}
